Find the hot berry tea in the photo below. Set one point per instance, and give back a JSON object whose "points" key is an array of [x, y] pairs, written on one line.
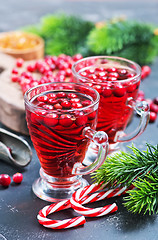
{"points": [[117, 81], [62, 119]]}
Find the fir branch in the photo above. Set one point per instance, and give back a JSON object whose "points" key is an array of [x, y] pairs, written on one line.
{"points": [[144, 198], [123, 168]]}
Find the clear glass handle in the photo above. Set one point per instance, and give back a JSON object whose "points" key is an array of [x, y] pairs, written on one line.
{"points": [[100, 139], [142, 109]]}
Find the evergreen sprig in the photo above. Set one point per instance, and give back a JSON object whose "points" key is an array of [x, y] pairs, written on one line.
{"points": [[144, 198], [125, 38], [139, 168]]}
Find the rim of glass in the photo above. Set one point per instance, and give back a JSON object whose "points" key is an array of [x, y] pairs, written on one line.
{"points": [[138, 68], [30, 104]]}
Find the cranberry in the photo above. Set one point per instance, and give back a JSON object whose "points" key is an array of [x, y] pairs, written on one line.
{"points": [[31, 68], [52, 101], [38, 116], [106, 91], [42, 98], [15, 71], [153, 107], [72, 95], [51, 95], [155, 100], [131, 87], [65, 120], [113, 74], [5, 180], [15, 78], [17, 177], [81, 119], [48, 107], [86, 103], [77, 57], [112, 69], [51, 119], [146, 70], [101, 74], [98, 88], [101, 69], [74, 100], [153, 117], [65, 104], [57, 106], [19, 62], [61, 94], [76, 105], [119, 91]]}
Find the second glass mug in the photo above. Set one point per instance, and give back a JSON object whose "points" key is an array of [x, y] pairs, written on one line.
{"points": [[117, 80], [62, 118]]}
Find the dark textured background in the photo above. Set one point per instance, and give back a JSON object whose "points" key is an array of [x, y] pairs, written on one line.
{"points": [[18, 205]]}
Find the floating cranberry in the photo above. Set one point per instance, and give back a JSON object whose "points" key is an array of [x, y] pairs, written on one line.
{"points": [[61, 94], [72, 95], [113, 74], [42, 98], [52, 101], [153, 117], [51, 95], [98, 88], [17, 177], [131, 87], [77, 105], [57, 106], [48, 107], [65, 104], [65, 120], [119, 91], [19, 62], [37, 117], [74, 100], [51, 119], [5, 180], [81, 119], [112, 69], [86, 103], [106, 92]]}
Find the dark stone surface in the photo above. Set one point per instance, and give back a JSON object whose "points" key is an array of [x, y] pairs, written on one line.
{"points": [[18, 205]]}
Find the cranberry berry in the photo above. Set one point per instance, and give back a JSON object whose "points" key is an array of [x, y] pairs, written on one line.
{"points": [[17, 177], [5, 180]]}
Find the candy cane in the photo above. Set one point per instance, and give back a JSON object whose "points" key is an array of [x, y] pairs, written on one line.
{"points": [[84, 195], [58, 224], [81, 197]]}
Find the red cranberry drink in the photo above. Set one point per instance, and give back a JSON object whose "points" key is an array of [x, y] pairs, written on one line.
{"points": [[117, 81], [62, 119]]}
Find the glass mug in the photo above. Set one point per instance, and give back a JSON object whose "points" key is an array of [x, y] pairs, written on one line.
{"points": [[117, 81], [62, 118]]}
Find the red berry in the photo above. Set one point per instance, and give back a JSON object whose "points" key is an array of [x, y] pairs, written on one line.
{"points": [[65, 104], [146, 70], [48, 107], [15, 78], [15, 71], [72, 95], [77, 57], [76, 105], [61, 94], [119, 91], [74, 100], [17, 177], [42, 98], [19, 62], [5, 180], [106, 92], [153, 117], [86, 103], [153, 107], [65, 120], [155, 100], [81, 119], [51, 119]]}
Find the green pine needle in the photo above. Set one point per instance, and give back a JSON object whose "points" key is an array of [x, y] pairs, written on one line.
{"points": [[139, 168], [144, 198]]}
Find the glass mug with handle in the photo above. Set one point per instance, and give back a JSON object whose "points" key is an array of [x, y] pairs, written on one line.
{"points": [[117, 81], [62, 118]]}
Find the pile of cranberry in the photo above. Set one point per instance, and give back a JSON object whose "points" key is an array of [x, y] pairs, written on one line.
{"points": [[5, 179], [58, 69]]}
